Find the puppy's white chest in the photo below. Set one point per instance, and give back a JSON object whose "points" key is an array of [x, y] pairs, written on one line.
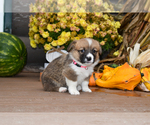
{"points": [[80, 79], [82, 73]]}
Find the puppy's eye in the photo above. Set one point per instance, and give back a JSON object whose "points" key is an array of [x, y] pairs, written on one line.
{"points": [[94, 51], [82, 50]]}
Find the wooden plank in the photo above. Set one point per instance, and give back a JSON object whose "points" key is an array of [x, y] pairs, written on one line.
{"points": [[24, 93]]}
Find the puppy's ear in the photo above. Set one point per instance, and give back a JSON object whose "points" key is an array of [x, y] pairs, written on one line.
{"points": [[71, 46]]}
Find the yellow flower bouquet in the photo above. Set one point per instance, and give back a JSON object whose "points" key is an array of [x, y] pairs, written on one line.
{"points": [[60, 28]]}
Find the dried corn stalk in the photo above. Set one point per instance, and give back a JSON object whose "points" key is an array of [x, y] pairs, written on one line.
{"points": [[136, 31], [135, 28]]}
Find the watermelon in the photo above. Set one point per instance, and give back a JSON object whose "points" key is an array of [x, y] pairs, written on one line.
{"points": [[13, 54]]}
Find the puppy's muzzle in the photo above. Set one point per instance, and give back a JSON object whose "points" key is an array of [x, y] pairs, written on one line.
{"points": [[89, 58]]}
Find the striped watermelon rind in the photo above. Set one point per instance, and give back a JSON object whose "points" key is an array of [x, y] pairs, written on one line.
{"points": [[13, 54]]}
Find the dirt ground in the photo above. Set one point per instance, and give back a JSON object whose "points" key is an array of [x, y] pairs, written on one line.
{"points": [[23, 101]]}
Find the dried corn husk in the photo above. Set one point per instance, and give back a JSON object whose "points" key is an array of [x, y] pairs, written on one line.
{"points": [[133, 53], [143, 58], [136, 29]]}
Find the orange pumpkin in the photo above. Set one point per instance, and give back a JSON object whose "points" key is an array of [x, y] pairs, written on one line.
{"points": [[123, 77], [92, 78]]}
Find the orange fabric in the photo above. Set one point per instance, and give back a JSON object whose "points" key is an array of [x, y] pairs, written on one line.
{"points": [[123, 77]]}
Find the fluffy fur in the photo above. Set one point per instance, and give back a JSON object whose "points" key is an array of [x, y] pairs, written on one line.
{"points": [[62, 74]]}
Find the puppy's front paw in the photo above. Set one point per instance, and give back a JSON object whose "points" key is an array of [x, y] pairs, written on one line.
{"points": [[74, 92], [86, 90]]}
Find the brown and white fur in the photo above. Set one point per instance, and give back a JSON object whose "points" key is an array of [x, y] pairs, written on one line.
{"points": [[62, 74]]}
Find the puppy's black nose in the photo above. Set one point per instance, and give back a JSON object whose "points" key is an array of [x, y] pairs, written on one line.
{"points": [[88, 58]]}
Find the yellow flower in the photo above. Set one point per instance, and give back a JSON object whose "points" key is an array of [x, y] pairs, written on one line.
{"points": [[33, 44], [45, 34], [103, 27], [68, 17], [117, 25], [42, 40], [74, 33], [89, 27], [76, 38], [36, 36], [113, 23], [94, 26], [88, 34], [103, 34], [77, 22], [52, 20], [49, 39], [65, 35], [102, 43], [105, 16], [109, 22], [34, 28], [41, 31], [84, 15], [113, 37], [47, 47], [116, 43], [50, 27], [63, 20], [106, 39], [120, 38], [98, 14], [57, 30], [54, 43], [83, 23], [35, 20], [116, 53], [81, 11], [109, 31], [36, 41], [31, 33], [61, 14], [68, 34], [80, 36], [61, 41], [75, 17], [43, 20], [54, 26]]}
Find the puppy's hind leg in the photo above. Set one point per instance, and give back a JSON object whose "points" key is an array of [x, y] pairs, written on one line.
{"points": [[50, 84], [62, 89]]}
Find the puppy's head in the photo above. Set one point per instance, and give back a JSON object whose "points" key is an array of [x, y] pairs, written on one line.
{"points": [[86, 50]]}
